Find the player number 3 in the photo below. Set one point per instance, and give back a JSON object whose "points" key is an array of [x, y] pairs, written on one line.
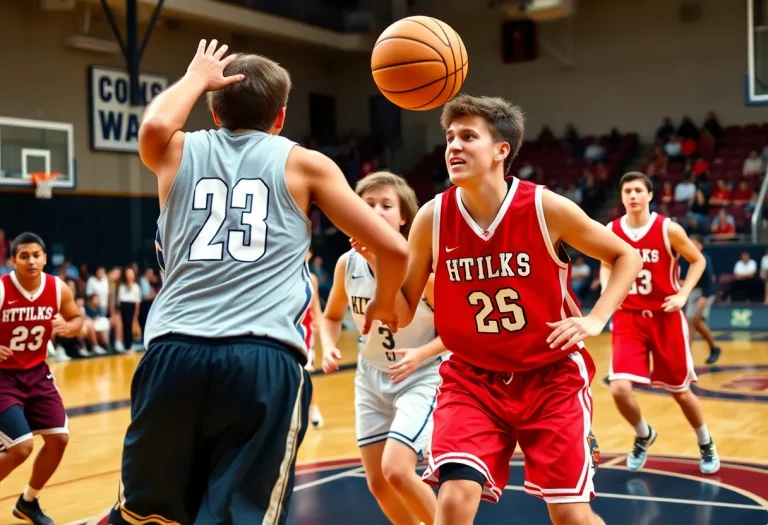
{"points": [[502, 303], [214, 193]]}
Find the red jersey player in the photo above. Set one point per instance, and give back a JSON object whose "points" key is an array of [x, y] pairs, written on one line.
{"points": [[30, 304], [650, 321], [309, 324], [519, 372]]}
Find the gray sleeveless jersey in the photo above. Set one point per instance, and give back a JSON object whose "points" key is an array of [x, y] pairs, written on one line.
{"points": [[233, 243]]}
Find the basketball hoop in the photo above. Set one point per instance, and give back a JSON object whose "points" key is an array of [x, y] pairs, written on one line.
{"points": [[43, 182]]}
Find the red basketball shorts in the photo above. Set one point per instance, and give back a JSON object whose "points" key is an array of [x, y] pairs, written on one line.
{"points": [[639, 336], [481, 416]]}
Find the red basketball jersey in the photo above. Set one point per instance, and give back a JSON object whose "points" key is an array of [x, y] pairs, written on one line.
{"points": [[26, 320], [660, 275], [495, 290]]}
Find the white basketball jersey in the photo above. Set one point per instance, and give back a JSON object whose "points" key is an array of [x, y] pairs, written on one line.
{"points": [[377, 348]]}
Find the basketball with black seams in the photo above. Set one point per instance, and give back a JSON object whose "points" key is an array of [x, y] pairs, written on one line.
{"points": [[419, 63]]}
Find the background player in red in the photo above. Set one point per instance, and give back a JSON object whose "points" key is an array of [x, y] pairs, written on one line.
{"points": [[519, 372], [651, 322], [309, 323], [33, 307]]}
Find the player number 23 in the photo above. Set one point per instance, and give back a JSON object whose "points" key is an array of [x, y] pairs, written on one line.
{"points": [[20, 336], [213, 195], [501, 303]]}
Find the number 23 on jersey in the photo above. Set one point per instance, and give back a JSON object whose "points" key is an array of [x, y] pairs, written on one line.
{"points": [[213, 195], [643, 285]]}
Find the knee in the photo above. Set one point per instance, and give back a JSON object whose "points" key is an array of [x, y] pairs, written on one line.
{"points": [[682, 397], [572, 514], [397, 471], [459, 497], [56, 441], [20, 452], [377, 485], [621, 388]]}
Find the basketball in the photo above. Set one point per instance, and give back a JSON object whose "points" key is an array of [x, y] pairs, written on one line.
{"points": [[419, 63]]}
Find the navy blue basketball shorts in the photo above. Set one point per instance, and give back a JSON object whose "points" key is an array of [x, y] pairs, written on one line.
{"points": [[215, 427]]}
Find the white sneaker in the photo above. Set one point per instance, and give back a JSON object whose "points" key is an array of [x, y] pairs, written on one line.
{"points": [[119, 348], [98, 350], [83, 352], [61, 354]]}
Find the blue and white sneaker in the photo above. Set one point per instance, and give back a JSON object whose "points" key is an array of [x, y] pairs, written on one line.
{"points": [[636, 459], [710, 463]]}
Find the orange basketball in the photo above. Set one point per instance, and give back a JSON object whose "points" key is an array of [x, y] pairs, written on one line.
{"points": [[419, 63]]}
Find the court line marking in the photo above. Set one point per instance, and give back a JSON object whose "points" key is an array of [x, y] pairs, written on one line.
{"points": [[659, 499], [328, 479], [614, 461]]}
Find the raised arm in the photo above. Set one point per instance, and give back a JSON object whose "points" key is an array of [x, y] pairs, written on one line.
{"points": [[330, 191], [419, 264], [569, 224], [680, 243]]}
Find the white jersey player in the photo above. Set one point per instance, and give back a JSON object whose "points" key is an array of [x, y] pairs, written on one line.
{"points": [[397, 373]]}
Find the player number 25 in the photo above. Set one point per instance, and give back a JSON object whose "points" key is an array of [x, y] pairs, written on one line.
{"points": [[646, 284], [501, 304], [213, 195], [20, 335]]}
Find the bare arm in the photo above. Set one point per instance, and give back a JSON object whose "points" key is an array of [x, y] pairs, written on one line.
{"points": [[569, 224], [70, 312], [419, 264], [330, 191], [680, 243], [332, 318], [314, 305]]}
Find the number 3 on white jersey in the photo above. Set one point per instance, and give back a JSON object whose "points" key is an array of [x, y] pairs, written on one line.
{"points": [[213, 194], [646, 284]]}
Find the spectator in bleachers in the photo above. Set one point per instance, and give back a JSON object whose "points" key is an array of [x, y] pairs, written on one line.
{"points": [[697, 217], [712, 127], [688, 147], [764, 275], [589, 193], [546, 138], [7, 267], [580, 277], [658, 161], [595, 152], [601, 173], [685, 190], [723, 226], [94, 310], [98, 284], [673, 149], [667, 194], [128, 301], [88, 334], [745, 285], [699, 167], [721, 196], [742, 195], [665, 131], [688, 129], [323, 282], [707, 144], [753, 165], [573, 141]]}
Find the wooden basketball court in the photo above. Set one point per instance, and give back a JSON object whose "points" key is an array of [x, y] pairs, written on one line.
{"points": [[734, 393]]}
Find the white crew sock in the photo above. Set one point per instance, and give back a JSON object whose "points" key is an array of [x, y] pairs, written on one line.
{"points": [[702, 434], [30, 494], [642, 430]]}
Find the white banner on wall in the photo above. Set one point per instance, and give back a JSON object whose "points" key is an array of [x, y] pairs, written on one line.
{"points": [[114, 122]]}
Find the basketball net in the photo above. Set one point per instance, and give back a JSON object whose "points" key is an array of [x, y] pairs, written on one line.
{"points": [[43, 183]]}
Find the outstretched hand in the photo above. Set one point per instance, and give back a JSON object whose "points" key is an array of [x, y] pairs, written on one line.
{"points": [[209, 65]]}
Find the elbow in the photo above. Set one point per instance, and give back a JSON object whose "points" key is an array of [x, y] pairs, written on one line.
{"points": [[634, 260], [153, 128]]}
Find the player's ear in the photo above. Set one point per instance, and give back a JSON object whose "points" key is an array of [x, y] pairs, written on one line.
{"points": [[216, 119], [279, 121], [503, 151]]}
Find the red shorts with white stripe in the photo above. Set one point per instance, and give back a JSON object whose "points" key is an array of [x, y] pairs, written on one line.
{"points": [[638, 335], [481, 416]]}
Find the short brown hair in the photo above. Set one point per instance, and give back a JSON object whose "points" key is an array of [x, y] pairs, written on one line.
{"points": [[505, 121], [254, 102], [409, 204], [636, 175]]}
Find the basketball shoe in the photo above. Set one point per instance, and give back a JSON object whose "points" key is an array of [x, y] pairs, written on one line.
{"points": [[636, 459]]}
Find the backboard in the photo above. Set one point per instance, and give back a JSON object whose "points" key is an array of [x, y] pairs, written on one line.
{"points": [[757, 52], [29, 146]]}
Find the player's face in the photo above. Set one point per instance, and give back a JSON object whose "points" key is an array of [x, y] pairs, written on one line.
{"points": [[470, 149], [635, 196], [29, 260], [384, 201]]}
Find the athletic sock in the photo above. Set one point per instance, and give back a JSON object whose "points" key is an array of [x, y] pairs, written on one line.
{"points": [[702, 435], [30, 494], [642, 429]]}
